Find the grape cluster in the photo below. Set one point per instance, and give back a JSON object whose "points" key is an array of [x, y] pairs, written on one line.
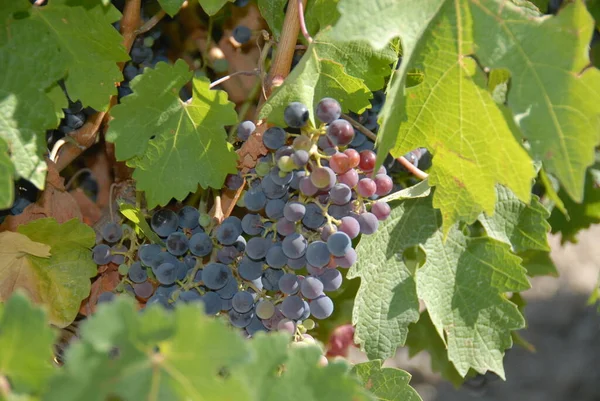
{"points": [[272, 267]]}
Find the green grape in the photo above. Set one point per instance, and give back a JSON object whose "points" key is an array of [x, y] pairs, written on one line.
{"points": [[204, 220], [286, 164], [308, 324], [123, 269], [262, 168]]}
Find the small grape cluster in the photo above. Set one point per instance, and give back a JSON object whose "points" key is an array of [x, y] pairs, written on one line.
{"points": [[273, 268]]}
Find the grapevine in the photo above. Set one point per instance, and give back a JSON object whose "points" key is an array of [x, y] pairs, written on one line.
{"points": [[218, 199]]}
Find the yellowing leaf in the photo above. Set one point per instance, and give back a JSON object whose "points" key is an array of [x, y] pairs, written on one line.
{"points": [[51, 262]]}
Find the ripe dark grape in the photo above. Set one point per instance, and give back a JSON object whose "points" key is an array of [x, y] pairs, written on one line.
{"points": [[275, 257], [112, 232], [289, 284], [240, 320], [338, 243], [143, 290], [300, 158], [137, 273], [294, 246], [321, 307], [188, 217], [212, 303], [245, 129], [331, 279], [295, 115], [274, 208], [101, 254], [242, 302], [216, 275], [118, 254], [164, 222], [274, 138], [257, 247], [285, 227], [328, 110], [255, 199], [317, 254], [177, 243], [200, 244], [249, 269], [313, 218], [166, 273], [252, 224], [270, 279], [241, 34], [311, 287], [368, 223], [228, 232], [292, 307], [234, 181], [294, 211], [340, 132], [340, 194]]}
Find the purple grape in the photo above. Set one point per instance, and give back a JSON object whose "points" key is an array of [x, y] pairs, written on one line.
{"points": [[338, 243], [288, 284], [368, 223], [294, 246], [328, 110]]}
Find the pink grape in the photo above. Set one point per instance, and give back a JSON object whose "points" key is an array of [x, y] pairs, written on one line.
{"points": [[353, 157], [366, 187], [349, 178], [340, 132], [339, 163], [322, 177], [381, 210], [367, 160], [350, 226], [384, 184]]}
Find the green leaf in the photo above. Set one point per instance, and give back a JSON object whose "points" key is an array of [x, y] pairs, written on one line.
{"points": [[211, 7], [439, 37], [553, 102], [273, 12], [347, 72], [91, 59], [173, 146], [542, 5], [59, 279], [320, 14], [462, 284], [538, 263], [25, 344], [302, 378], [171, 7], [520, 225], [185, 355], [580, 216], [422, 336], [387, 384], [136, 216], [7, 191], [594, 9], [29, 99], [420, 190]]}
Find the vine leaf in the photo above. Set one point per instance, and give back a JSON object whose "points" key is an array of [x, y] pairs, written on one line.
{"points": [[173, 145], [318, 15], [25, 344], [581, 216], [450, 110], [302, 378], [347, 72], [462, 284], [164, 355], [387, 384], [171, 7], [211, 7], [423, 336], [136, 216], [30, 100], [7, 191], [520, 225], [59, 279], [273, 11]]}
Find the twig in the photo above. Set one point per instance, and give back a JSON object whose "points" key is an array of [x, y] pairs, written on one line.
{"points": [[233, 74], [151, 23], [360, 127], [402, 160], [412, 168], [77, 174], [307, 36], [282, 63], [218, 210]]}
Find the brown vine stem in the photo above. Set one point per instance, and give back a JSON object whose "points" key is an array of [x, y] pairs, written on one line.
{"points": [[86, 136], [233, 74], [151, 23], [307, 36], [402, 160], [282, 63]]}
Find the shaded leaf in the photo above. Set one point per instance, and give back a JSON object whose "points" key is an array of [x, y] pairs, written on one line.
{"points": [[211, 7], [25, 344], [387, 384], [171, 7]]}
